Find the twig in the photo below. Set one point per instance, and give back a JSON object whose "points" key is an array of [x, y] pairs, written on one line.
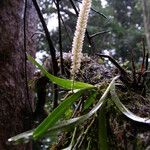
{"points": [[60, 37], [146, 63], [76, 111], [66, 29], [50, 43], [146, 66], [86, 131], [114, 62], [81, 137], [99, 13], [52, 50], [64, 23], [25, 57], [95, 11], [133, 68], [98, 33], [143, 61], [145, 74], [124, 77]]}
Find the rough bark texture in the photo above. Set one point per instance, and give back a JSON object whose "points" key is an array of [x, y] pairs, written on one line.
{"points": [[146, 12], [15, 112]]}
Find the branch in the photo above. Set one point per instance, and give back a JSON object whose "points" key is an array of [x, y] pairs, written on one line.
{"points": [[52, 50], [114, 62], [124, 77], [101, 14], [98, 33], [50, 43], [60, 37]]}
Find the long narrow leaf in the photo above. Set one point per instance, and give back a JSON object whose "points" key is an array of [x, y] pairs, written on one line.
{"points": [[124, 110], [21, 138], [81, 119], [102, 129], [56, 114], [74, 121], [68, 123], [90, 100], [65, 83]]}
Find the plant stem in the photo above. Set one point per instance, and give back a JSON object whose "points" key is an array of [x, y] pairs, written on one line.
{"points": [[102, 129]]}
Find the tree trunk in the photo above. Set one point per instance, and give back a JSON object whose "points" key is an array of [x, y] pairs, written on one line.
{"points": [[15, 105], [146, 13]]}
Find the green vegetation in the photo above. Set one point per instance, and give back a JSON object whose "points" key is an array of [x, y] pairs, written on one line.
{"points": [[87, 112], [119, 26], [53, 122]]}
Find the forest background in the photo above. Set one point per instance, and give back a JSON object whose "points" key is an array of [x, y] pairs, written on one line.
{"points": [[117, 29]]}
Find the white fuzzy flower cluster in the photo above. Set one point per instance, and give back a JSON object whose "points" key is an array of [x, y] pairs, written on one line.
{"points": [[79, 36]]}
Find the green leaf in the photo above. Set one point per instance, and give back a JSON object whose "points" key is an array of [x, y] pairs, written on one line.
{"points": [[102, 129], [124, 110], [90, 100], [62, 125], [71, 122], [56, 114], [65, 83]]}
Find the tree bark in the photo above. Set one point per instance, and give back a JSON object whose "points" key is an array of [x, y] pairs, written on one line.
{"points": [[146, 13], [15, 105]]}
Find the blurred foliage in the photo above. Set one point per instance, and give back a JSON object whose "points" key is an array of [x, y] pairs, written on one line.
{"points": [[126, 27], [88, 121], [123, 26], [93, 108]]}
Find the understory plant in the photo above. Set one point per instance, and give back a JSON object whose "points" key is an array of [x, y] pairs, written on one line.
{"points": [[91, 99], [55, 122]]}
